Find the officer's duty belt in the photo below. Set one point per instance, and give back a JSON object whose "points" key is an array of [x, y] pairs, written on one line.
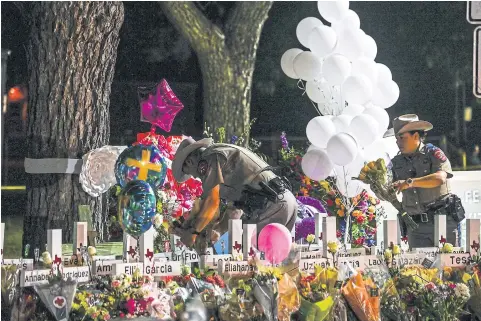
{"points": [[423, 218]]}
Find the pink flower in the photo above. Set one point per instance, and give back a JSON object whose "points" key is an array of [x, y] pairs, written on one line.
{"points": [[122, 315], [116, 283], [150, 299], [94, 315], [131, 306], [430, 286], [452, 285], [107, 317]]}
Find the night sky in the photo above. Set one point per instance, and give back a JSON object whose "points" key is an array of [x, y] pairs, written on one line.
{"points": [[423, 43]]}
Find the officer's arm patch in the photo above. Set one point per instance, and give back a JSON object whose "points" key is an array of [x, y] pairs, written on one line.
{"points": [[438, 153]]}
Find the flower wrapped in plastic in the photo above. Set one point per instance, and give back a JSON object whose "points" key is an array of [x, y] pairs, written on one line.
{"points": [[392, 308], [98, 169], [240, 303], [266, 293], [321, 295], [289, 298], [363, 297], [380, 178], [58, 296]]}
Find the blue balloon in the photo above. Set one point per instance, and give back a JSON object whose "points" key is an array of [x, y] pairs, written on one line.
{"points": [[136, 207], [143, 163]]}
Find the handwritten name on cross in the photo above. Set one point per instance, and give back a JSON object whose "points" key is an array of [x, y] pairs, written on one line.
{"points": [[144, 165]]}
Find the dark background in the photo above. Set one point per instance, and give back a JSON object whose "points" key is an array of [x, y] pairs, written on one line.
{"points": [[423, 43]]}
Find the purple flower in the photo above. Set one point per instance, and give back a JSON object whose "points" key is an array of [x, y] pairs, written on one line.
{"points": [[284, 142], [233, 139], [363, 206], [305, 227], [306, 200]]}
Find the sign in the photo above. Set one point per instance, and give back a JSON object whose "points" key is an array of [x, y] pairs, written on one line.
{"points": [[29, 278], [127, 268], [311, 255], [430, 252], [357, 262], [163, 268], [455, 259], [409, 259], [104, 267], [473, 14], [213, 261], [476, 64], [24, 264], [352, 252], [184, 256], [237, 268], [309, 264], [373, 261]]}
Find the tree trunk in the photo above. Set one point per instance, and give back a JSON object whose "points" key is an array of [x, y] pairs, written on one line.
{"points": [[227, 58], [71, 58]]}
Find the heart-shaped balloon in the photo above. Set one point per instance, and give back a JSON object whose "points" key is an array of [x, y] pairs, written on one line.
{"points": [[161, 108]]}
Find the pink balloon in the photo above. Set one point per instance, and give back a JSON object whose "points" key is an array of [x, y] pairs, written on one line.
{"points": [[275, 241], [160, 109]]}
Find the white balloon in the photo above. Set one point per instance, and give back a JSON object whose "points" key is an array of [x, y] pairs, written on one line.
{"points": [[351, 43], [364, 128], [336, 68], [375, 150], [314, 92], [319, 130], [353, 109], [342, 149], [381, 116], [386, 94], [349, 20], [383, 73], [333, 10], [322, 40], [304, 28], [365, 66], [287, 62], [391, 147], [354, 168], [307, 65], [342, 123], [316, 164], [357, 89], [370, 47]]}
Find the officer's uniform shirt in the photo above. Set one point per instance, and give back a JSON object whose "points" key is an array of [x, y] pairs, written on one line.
{"points": [[429, 159], [231, 167]]}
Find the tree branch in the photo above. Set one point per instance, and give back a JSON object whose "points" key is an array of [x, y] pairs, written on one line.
{"points": [[244, 26], [192, 24]]}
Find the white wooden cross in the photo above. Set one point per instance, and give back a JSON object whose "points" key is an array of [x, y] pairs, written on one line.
{"points": [[472, 236], [54, 245], [79, 236]]}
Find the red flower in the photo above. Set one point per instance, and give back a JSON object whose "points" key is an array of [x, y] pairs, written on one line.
{"points": [[360, 219], [359, 241], [371, 216], [329, 202], [121, 314], [338, 233], [452, 285]]}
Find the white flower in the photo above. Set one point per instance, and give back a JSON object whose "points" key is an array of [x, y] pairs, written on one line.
{"points": [[158, 219], [98, 169], [92, 251], [462, 291]]}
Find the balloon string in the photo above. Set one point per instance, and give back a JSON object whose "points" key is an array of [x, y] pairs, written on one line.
{"points": [[301, 86]]}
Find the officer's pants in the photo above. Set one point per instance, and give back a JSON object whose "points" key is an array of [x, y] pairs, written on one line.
{"points": [[423, 236]]}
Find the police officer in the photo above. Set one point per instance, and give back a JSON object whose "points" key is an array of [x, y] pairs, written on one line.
{"points": [[421, 172], [236, 175]]}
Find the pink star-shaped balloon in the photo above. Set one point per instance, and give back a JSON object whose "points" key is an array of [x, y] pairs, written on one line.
{"points": [[160, 109]]}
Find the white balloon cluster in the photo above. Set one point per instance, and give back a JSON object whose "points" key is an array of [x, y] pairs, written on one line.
{"points": [[350, 89]]}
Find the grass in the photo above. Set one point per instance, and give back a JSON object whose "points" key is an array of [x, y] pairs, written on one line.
{"points": [[12, 248]]}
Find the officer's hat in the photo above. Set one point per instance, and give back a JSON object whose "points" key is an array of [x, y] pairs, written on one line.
{"points": [[186, 147], [407, 123]]}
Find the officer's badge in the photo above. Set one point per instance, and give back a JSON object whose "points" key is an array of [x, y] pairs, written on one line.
{"points": [[438, 153], [202, 167]]}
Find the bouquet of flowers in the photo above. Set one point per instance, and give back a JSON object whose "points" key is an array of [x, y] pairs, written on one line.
{"points": [[240, 303], [380, 178], [363, 297], [442, 302], [289, 298], [391, 306], [319, 294]]}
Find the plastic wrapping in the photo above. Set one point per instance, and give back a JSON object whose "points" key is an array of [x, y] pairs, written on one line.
{"points": [[289, 298], [58, 297], [363, 297], [240, 304]]}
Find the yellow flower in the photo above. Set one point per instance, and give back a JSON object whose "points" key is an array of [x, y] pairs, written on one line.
{"points": [[362, 176], [75, 306], [92, 251], [325, 185], [372, 200], [340, 213], [324, 287], [310, 238], [47, 258], [396, 250], [332, 246], [371, 165], [447, 248], [387, 254], [338, 201], [371, 209]]}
